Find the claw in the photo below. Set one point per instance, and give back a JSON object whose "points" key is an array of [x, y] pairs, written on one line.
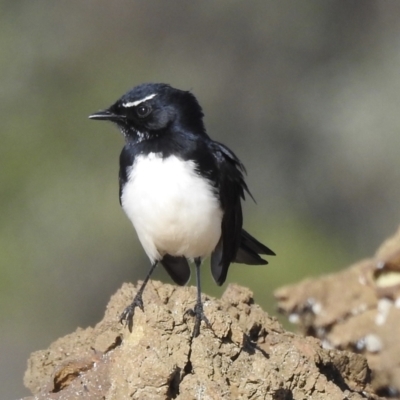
{"points": [[199, 315], [127, 315]]}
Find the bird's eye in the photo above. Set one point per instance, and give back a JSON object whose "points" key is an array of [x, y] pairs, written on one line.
{"points": [[143, 111]]}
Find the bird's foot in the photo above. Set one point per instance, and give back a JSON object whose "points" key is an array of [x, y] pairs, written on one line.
{"points": [[127, 315], [199, 315]]}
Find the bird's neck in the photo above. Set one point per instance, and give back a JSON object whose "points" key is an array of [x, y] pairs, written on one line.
{"points": [[165, 143]]}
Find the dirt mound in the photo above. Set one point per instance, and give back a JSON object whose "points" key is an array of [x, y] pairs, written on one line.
{"points": [[357, 309], [246, 355]]}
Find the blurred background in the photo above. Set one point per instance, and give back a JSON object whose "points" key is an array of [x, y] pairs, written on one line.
{"points": [[306, 93]]}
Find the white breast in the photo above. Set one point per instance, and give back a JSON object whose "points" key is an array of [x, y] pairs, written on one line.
{"points": [[172, 208]]}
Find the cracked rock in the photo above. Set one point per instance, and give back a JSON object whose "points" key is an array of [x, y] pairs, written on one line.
{"points": [[358, 309], [245, 355]]}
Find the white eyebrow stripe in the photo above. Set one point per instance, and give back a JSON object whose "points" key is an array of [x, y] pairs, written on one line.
{"points": [[137, 102]]}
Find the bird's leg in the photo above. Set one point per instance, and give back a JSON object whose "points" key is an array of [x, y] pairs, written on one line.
{"points": [[129, 312], [198, 311]]}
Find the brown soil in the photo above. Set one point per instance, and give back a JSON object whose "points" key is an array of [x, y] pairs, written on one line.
{"points": [[357, 309], [245, 355]]}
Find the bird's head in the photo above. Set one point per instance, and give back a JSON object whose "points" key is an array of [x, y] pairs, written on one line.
{"points": [[150, 109]]}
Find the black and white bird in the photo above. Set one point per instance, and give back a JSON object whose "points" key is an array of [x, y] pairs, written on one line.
{"points": [[181, 190]]}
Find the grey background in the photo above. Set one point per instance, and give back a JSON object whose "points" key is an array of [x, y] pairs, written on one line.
{"points": [[306, 93]]}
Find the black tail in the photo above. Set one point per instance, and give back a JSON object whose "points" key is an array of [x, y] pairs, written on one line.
{"points": [[248, 253], [250, 250], [177, 268]]}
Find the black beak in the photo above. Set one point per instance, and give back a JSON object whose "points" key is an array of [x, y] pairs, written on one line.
{"points": [[106, 115]]}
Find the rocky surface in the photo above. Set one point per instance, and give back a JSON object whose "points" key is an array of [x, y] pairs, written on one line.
{"points": [[245, 354], [357, 309]]}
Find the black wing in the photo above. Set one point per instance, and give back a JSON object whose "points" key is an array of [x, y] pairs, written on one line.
{"points": [[235, 245], [231, 187]]}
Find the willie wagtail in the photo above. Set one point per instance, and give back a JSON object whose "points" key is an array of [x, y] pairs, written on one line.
{"points": [[181, 190]]}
